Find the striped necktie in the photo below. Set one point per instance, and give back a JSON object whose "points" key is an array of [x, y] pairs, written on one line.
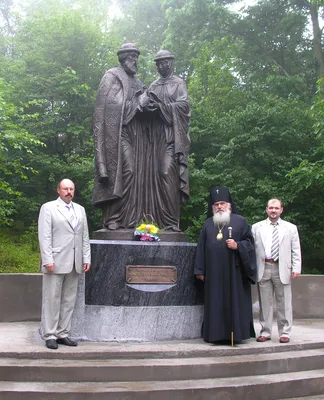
{"points": [[71, 215], [275, 242]]}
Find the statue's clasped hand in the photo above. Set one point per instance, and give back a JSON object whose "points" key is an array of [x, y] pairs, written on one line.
{"points": [[152, 106], [144, 100], [103, 179]]}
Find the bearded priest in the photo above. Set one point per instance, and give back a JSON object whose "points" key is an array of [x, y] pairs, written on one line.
{"points": [[225, 262]]}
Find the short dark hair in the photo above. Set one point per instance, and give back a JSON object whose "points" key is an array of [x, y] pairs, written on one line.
{"points": [[280, 201]]}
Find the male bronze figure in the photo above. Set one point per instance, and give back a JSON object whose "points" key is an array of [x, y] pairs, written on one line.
{"points": [[118, 132], [141, 144]]}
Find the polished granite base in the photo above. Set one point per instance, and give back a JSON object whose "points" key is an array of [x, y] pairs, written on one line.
{"points": [[106, 282], [128, 235], [110, 309]]}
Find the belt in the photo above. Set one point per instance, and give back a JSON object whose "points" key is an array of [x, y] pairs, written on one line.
{"points": [[270, 260]]}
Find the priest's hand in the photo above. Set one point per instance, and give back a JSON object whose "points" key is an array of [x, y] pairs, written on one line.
{"points": [[295, 275], [231, 244], [200, 277]]}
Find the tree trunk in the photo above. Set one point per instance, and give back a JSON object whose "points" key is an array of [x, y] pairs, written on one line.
{"points": [[317, 45]]}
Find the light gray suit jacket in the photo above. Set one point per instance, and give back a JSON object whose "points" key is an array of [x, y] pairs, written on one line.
{"points": [[289, 249], [59, 243]]}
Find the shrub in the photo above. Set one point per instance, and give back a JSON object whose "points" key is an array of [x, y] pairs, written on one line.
{"points": [[18, 253]]}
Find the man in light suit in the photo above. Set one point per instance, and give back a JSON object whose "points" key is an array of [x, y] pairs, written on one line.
{"points": [[278, 258], [65, 253]]}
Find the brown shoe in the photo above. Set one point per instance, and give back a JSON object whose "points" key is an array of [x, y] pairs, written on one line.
{"points": [[284, 339], [263, 338]]}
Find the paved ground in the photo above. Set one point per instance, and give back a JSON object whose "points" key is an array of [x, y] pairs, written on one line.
{"points": [[22, 338]]}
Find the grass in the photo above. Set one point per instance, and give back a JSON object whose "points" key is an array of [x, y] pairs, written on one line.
{"points": [[18, 252]]}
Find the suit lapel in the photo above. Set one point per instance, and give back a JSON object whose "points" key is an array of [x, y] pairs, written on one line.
{"points": [[263, 235], [60, 210], [77, 211], [281, 230]]}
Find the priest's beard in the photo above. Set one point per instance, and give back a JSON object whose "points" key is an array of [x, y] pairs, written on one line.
{"points": [[222, 217]]}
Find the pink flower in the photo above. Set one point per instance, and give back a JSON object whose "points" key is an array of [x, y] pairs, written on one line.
{"points": [[146, 238]]}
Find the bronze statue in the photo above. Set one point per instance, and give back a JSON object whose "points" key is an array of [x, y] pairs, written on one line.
{"points": [[166, 168], [118, 131], [141, 144]]}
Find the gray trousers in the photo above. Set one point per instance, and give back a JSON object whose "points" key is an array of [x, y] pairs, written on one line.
{"points": [[59, 295], [269, 287]]}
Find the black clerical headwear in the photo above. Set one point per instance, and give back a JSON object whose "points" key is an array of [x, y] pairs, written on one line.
{"points": [[220, 193]]}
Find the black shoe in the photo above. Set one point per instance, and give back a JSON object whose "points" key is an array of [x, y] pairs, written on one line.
{"points": [[66, 341], [51, 344]]}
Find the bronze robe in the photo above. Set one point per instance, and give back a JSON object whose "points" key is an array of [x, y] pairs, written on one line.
{"points": [[166, 164], [118, 133]]}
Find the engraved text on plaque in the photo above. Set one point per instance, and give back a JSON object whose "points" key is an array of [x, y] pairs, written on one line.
{"points": [[151, 274]]}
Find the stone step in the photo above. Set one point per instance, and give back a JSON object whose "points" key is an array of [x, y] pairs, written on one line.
{"points": [[264, 387], [321, 397], [58, 370], [167, 349]]}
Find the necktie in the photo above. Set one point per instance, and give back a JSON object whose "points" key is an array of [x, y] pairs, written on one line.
{"points": [[70, 215], [275, 242]]}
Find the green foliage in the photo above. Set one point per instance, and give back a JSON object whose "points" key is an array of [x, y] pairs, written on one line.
{"points": [[16, 146], [18, 253], [59, 59], [192, 24], [194, 213], [144, 23], [306, 189], [273, 40], [256, 125], [251, 148]]}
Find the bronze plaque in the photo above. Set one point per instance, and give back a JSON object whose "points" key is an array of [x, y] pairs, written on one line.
{"points": [[151, 274]]}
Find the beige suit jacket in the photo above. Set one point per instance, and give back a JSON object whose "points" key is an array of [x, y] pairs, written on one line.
{"points": [[60, 244], [289, 249]]}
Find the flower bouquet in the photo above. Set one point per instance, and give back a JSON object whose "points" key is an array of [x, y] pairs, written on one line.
{"points": [[147, 232]]}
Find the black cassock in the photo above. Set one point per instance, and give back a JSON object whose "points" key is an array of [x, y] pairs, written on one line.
{"points": [[227, 305]]}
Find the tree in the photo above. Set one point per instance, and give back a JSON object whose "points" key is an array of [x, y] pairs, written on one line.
{"points": [[144, 23], [16, 150], [58, 62], [191, 25], [251, 78], [314, 8]]}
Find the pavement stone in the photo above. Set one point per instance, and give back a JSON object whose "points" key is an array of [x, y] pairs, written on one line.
{"points": [[23, 338]]}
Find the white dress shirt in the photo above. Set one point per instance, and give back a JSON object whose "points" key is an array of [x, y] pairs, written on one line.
{"points": [[68, 211], [268, 239]]}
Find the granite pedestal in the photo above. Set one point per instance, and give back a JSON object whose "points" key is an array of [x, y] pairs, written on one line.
{"points": [[110, 309]]}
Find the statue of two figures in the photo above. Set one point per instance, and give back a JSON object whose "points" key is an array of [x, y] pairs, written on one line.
{"points": [[141, 144]]}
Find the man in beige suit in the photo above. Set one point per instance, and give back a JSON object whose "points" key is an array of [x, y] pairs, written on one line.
{"points": [[278, 258], [65, 253]]}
